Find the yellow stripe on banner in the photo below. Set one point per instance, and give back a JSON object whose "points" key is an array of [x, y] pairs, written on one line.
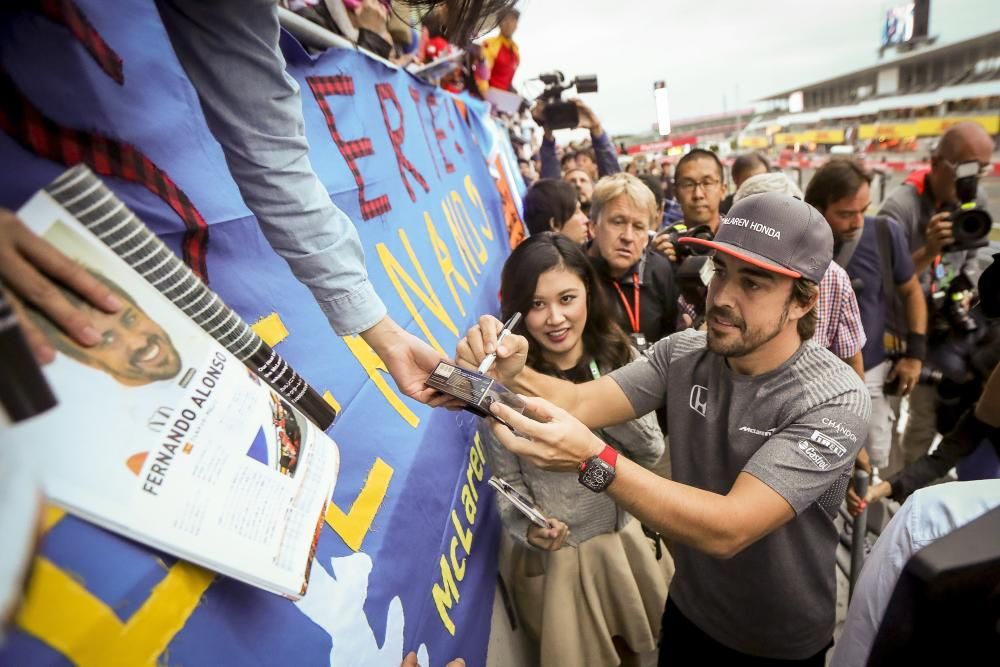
{"points": [[62, 613], [372, 364], [328, 397], [271, 329], [353, 526], [168, 607], [51, 515]]}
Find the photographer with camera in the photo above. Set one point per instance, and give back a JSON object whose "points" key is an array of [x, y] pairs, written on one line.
{"points": [[978, 425], [943, 216], [700, 183], [639, 282], [873, 250]]}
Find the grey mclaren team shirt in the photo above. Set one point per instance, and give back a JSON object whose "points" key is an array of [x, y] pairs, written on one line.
{"points": [[798, 429]]}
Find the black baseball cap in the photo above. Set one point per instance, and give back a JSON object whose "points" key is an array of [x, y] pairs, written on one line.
{"points": [[776, 232]]}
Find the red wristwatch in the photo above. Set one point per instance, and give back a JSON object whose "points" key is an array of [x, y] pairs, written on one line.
{"points": [[597, 472]]}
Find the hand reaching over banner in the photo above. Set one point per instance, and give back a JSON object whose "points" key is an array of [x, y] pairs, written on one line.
{"points": [[32, 270], [409, 360]]}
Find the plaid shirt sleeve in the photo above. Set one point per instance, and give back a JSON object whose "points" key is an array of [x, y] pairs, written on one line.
{"points": [[839, 327]]}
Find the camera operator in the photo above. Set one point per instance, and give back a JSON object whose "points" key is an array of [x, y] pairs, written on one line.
{"points": [[922, 206], [877, 259], [640, 283], [603, 150], [699, 181]]}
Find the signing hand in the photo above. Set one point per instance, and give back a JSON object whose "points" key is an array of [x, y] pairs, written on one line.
{"points": [[32, 268], [408, 359], [558, 441], [939, 233], [662, 245], [548, 539], [481, 340], [907, 370]]}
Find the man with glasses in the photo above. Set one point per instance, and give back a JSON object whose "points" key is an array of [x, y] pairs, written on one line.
{"points": [[699, 182], [922, 207]]}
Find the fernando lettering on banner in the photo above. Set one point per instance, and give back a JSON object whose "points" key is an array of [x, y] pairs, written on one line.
{"points": [[407, 559]]}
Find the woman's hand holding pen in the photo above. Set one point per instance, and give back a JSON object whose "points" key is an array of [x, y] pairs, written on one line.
{"points": [[481, 340]]}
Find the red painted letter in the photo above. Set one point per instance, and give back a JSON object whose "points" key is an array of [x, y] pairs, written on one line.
{"points": [[352, 150], [385, 94]]}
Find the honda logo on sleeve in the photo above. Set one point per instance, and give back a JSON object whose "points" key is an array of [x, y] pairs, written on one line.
{"points": [[699, 399]]}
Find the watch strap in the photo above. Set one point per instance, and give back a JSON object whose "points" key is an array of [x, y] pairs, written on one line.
{"points": [[609, 455]]}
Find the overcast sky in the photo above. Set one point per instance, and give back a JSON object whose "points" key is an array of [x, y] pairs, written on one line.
{"points": [[713, 54]]}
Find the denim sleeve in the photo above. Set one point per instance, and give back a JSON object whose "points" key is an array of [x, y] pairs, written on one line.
{"points": [[229, 50], [550, 163], [607, 159]]}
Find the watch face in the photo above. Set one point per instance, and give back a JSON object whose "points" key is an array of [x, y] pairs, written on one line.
{"points": [[597, 475]]}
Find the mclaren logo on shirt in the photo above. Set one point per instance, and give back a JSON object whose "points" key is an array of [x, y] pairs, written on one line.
{"points": [[749, 429], [699, 399]]}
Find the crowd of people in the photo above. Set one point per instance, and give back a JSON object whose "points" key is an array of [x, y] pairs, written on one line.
{"points": [[704, 365]]}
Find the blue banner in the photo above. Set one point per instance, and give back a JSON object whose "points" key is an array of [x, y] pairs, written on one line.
{"points": [[407, 559]]}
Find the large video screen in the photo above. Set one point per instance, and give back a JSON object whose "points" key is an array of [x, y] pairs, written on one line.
{"points": [[898, 25]]}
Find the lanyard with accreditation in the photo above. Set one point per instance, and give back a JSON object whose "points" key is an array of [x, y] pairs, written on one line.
{"points": [[632, 311]]}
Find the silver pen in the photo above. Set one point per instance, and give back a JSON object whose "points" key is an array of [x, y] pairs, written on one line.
{"points": [[492, 356]]}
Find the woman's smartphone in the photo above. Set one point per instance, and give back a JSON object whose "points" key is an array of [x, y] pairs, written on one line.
{"points": [[525, 506]]}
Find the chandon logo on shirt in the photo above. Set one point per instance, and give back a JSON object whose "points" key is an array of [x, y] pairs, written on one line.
{"points": [[699, 399], [840, 428]]}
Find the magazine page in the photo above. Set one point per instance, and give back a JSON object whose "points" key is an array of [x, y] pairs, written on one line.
{"points": [[162, 435]]}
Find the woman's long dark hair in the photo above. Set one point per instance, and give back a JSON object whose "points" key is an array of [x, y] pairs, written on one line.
{"points": [[603, 339]]}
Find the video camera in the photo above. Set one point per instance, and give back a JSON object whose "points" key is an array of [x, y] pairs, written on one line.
{"points": [[560, 115], [970, 225]]}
